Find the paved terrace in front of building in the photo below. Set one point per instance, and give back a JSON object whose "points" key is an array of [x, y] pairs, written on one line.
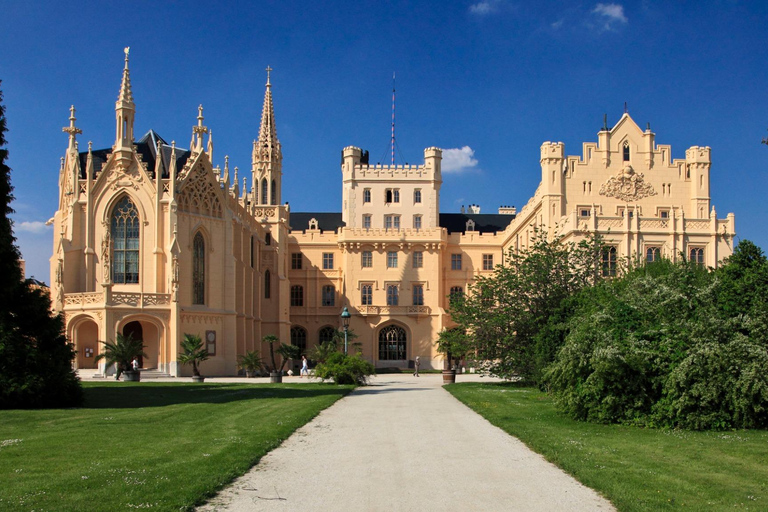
{"points": [[403, 443]]}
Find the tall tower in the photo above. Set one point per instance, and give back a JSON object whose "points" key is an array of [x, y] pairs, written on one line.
{"points": [[125, 110], [267, 157]]}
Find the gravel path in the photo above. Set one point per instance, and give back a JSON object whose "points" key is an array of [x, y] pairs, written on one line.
{"points": [[404, 443]]}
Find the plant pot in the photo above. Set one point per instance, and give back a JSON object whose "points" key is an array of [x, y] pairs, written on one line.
{"points": [[131, 376], [449, 376], [198, 378], [275, 377], [249, 373]]}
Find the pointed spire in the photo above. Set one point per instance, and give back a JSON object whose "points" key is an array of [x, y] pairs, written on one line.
{"points": [[267, 131], [126, 95], [199, 131], [124, 112], [226, 172], [210, 145], [71, 129]]}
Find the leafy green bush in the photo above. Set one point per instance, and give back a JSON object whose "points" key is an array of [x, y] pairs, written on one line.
{"points": [[344, 369]]}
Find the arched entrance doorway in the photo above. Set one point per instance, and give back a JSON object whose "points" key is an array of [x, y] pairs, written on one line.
{"points": [[86, 337], [148, 333], [135, 331], [393, 341]]}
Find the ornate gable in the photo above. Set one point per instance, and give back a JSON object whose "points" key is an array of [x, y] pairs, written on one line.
{"points": [[198, 193]]}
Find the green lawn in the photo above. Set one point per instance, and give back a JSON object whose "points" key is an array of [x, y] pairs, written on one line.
{"points": [[147, 445], [637, 469]]}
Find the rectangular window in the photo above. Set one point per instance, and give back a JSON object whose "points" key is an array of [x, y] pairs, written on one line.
{"points": [[296, 261], [252, 251], [584, 212], [418, 259], [418, 295], [391, 259], [329, 296], [392, 295], [391, 222], [417, 196], [297, 295], [455, 261], [366, 259], [396, 195], [417, 222], [487, 261], [366, 222], [367, 195], [396, 221], [366, 295], [609, 261], [388, 196], [327, 261], [664, 214]]}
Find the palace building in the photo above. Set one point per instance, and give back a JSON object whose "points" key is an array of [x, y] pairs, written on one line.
{"points": [[154, 240]]}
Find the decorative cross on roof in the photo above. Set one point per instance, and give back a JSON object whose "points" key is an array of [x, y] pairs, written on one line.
{"points": [[269, 70], [71, 129]]}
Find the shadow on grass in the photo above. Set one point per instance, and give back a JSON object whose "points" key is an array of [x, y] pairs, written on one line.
{"points": [[129, 396]]}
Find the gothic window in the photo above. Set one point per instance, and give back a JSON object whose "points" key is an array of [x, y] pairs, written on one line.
{"points": [[609, 261], [264, 199], [297, 295], [626, 151], [652, 254], [296, 261], [697, 255], [198, 269], [366, 259], [125, 242], [267, 284], [455, 261], [418, 259], [326, 334], [392, 295], [366, 295], [273, 192], [391, 259], [392, 343], [418, 295], [487, 261], [456, 292], [329, 296], [299, 338]]}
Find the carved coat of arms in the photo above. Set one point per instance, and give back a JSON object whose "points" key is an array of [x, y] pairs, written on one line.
{"points": [[627, 185]]}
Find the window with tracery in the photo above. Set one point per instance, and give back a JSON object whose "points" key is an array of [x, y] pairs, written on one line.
{"points": [[366, 294], [392, 295], [297, 295], [125, 242], [418, 295], [264, 191], [299, 338], [329, 295], [652, 254], [198, 269], [392, 343], [626, 151], [609, 261], [697, 255], [326, 334]]}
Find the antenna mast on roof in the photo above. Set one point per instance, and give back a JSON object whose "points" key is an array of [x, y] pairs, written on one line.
{"points": [[393, 118]]}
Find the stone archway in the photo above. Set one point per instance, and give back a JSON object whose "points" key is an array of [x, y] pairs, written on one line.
{"points": [[150, 336], [85, 337], [393, 343]]}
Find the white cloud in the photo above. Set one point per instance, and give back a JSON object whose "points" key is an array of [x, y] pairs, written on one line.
{"points": [[457, 160], [485, 7], [610, 16], [37, 227]]}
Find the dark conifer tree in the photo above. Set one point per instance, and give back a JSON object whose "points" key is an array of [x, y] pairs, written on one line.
{"points": [[35, 358]]}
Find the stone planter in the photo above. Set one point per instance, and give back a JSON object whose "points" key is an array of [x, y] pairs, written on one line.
{"points": [[249, 374], [449, 376], [275, 377], [131, 376], [198, 378]]}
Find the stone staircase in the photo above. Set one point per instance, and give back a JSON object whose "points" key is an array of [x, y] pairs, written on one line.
{"points": [[154, 374]]}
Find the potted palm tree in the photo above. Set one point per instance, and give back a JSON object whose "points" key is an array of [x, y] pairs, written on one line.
{"points": [[193, 353], [250, 362], [286, 353], [454, 344], [121, 353]]}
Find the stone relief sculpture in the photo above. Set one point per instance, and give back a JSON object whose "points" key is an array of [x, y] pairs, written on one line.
{"points": [[627, 185], [106, 249]]}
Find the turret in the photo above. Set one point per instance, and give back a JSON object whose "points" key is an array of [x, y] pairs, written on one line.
{"points": [[552, 186], [698, 162], [267, 156]]}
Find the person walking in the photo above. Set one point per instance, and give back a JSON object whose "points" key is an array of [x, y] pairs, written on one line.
{"points": [[416, 364], [304, 367]]}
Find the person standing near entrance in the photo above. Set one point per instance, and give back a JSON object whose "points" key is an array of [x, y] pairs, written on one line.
{"points": [[416, 365], [304, 367]]}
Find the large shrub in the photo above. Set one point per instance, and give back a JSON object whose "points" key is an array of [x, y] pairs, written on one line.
{"points": [[345, 369]]}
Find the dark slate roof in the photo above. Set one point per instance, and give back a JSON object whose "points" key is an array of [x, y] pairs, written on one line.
{"points": [[147, 148], [453, 222], [326, 221], [484, 222]]}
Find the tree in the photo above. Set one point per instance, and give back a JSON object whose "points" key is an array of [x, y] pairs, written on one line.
{"points": [[35, 357], [455, 345], [284, 350], [122, 352], [506, 313], [193, 352]]}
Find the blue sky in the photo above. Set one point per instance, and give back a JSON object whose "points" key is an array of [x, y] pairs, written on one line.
{"points": [[492, 79]]}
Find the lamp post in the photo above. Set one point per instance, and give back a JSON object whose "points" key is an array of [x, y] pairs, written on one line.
{"points": [[345, 316]]}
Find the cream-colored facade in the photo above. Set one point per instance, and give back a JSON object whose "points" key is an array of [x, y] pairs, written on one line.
{"points": [[152, 239]]}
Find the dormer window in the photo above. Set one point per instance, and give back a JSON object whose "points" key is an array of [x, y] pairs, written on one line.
{"points": [[626, 151]]}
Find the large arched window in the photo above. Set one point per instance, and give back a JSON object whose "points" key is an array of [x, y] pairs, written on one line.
{"points": [[124, 232], [264, 191], [198, 269], [326, 334], [299, 338], [392, 342]]}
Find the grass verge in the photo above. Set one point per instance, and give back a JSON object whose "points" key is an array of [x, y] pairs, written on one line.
{"points": [[162, 446], [636, 469]]}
